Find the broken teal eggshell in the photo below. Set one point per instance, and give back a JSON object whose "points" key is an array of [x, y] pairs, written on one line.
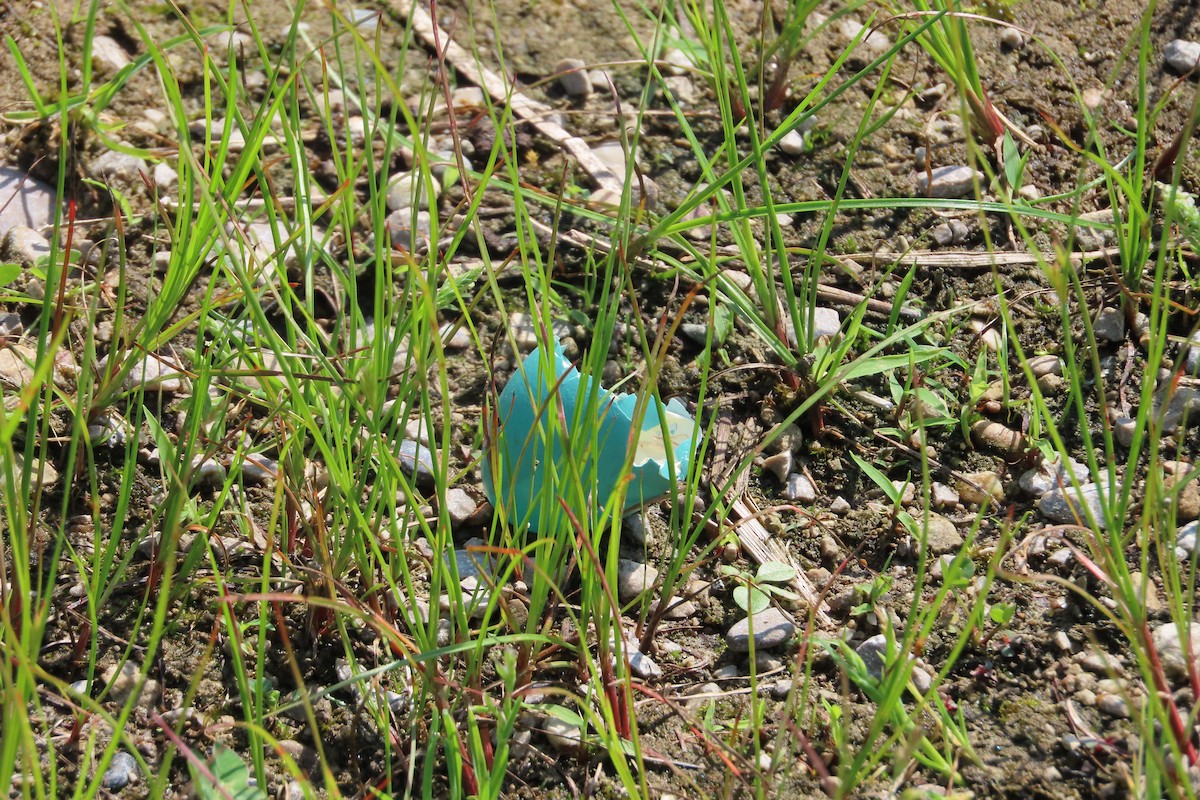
{"points": [[519, 448]]}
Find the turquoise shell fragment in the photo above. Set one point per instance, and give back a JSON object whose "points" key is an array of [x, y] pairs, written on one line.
{"points": [[519, 449]]}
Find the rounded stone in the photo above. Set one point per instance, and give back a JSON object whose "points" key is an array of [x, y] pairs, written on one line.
{"points": [[771, 628]]}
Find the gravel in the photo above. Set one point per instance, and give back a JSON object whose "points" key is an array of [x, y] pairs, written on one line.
{"points": [[942, 535], [1110, 325], [1168, 640], [460, 505]]}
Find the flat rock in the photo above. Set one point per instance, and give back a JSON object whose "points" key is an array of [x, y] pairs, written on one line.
{"points": [[113, 164], [1182, 55], [1185, 540], [24, 201], [948, 181], [24, 246], [405, 187], [160, 374], [1051, 474], [772, 628], [1066, 506]]}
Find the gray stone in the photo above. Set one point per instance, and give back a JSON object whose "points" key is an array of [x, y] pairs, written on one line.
{"points": [[562, 735], [1012, 39], [406, 233], [405, 187], [1114, 705], [942, 535], [460, 505], [24, 201], [207, 472], [1182, 55], [525, 333], [634, 527], [799, 488], [1051, 474], [643, 665], [826, 322], [840, 506], [1065, 506], [1182, 404], [873, 652], [793, 143], [122, 771], [1168, 641], [153, 373], [772, 628], [779, 465], [25, 246], [113, 164], [15, 369], [942, 496], [948, 181], [417, 462], [121, 680], [165, 177], [676, 610], [573, 78], [257, 468], [108, 56], [634, 579], [1110, 325], [1185, 541]]}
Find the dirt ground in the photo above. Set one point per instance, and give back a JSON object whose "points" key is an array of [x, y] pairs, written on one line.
{"points": [[1017, 691]]}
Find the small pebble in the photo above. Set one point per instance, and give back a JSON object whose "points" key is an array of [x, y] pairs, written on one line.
{"points": [[1012, 39], [24, 246], [840, 506], [573, 78], [634, 579], [800, 489], [1168, 640], [1110, 325], [997, 437], [779, 465], [772, 628], [563, 736], [873, 652], [460, 505], [121, 772], [1182, 55], [1065, 506], [948, 182], [417, 462], [1114, 705], [793, 143], [24, 200]]}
